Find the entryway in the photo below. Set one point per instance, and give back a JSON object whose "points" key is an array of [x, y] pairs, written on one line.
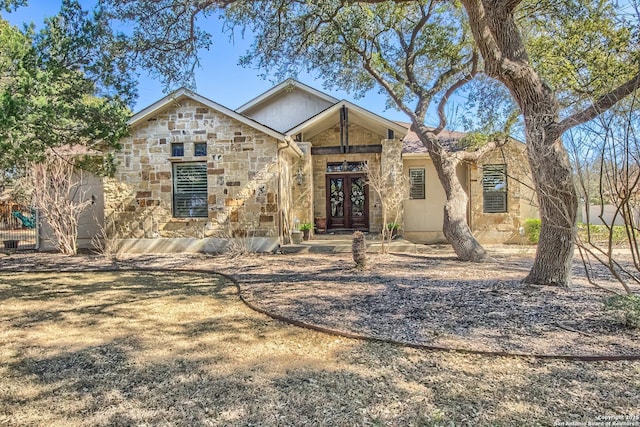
{"points": [[347, 202]]}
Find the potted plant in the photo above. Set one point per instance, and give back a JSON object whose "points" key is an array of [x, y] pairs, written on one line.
{"points": [[393, 229], [306, 227]]}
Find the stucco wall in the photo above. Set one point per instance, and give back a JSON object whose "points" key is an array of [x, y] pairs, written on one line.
{"points": [[423, 218], [90, 221], [242, 182]]}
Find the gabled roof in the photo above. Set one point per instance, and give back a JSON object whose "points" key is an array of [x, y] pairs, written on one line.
{"points": [[286, 85], [182, 93], [357, 114]]}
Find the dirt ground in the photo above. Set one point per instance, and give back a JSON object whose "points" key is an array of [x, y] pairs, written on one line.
{"points": [[426, 299], [127, 347]]}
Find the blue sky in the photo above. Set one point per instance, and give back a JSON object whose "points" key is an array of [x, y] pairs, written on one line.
{"points": [[219, 77]]}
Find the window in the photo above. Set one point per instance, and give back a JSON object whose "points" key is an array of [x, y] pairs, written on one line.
{"points": [[190, 190], [200, 149], [416, 182], [494, 188], [346, 166], [177, 149]]}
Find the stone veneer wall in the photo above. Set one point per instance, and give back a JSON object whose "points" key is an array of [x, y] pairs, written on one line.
{"points": [[302, 207], [358, 135], [503, 227], [242, 170]]}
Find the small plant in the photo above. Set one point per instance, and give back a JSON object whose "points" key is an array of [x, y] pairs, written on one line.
{"points": [[627, 308], [393, 226], [532, 230], [359, 250], [306, 226]]}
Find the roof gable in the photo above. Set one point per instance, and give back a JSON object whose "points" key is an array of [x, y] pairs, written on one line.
{"points": [[286, 105], [288, 85], [182, 93], [327, 118]]}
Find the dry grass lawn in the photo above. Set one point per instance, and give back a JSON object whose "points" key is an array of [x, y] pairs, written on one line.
{"points": [[175, 348]]}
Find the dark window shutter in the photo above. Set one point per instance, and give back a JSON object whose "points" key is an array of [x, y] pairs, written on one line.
{"points": [[190, 190], [494, 188]]}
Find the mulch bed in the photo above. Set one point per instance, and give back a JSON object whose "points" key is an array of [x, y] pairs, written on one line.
{"points": [[426, 299]]}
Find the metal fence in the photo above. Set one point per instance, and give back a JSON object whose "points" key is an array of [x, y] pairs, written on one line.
{"points": [[18, 227]]}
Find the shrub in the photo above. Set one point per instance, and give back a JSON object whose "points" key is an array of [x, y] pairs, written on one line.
{"points": [[306, 226], [532, 230], [600, 233], [627, 309]]}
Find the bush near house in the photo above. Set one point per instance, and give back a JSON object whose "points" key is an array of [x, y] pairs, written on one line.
{"points": [[532, 230], [600, 233]]}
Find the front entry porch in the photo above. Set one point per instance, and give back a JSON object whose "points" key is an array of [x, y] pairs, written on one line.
{"points": [[347, 202]]}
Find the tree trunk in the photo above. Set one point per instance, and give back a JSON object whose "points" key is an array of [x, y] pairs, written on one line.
{"points": [[558, 202], [498, 38], [455, 226]]}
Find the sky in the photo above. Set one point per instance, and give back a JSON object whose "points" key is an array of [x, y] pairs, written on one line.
{"points": [[219, 77]]}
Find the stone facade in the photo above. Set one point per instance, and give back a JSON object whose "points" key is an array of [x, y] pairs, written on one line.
{"points": [[358, 136], [503, 227], [243, 177]]}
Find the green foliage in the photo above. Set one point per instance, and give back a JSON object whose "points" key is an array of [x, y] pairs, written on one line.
{"points": [[601, 233], [61, 87], [532, 230], [393, 226], [583, 49], [627, 309], [11, 5], [306, 226]]}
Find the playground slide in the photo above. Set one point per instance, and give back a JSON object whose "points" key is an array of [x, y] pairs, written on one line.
{"points": [[27, 221]]}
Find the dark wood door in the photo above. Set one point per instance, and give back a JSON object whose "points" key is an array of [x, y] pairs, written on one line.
{"points": [[347, 202]]}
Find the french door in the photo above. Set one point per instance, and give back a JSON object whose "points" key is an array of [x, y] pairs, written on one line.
{"points": [[347, 202]]}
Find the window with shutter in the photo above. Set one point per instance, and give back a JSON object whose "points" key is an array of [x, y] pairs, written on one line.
{"points": [[190, 190], [416, 179], [494, 188]]}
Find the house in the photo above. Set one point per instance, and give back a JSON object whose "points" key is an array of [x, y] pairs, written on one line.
{"points": [[194, 174]]}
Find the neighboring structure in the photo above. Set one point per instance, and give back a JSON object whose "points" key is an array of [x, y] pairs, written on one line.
{"points": [[194, 174]]}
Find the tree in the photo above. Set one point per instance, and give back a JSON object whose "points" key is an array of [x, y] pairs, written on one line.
{"points": [[392, 188], [10, 5], [497, 30], [606, 157], [66, 85], [56, 189]]}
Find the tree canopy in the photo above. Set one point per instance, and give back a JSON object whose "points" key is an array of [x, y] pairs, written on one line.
{"points": [[65, 85]]}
